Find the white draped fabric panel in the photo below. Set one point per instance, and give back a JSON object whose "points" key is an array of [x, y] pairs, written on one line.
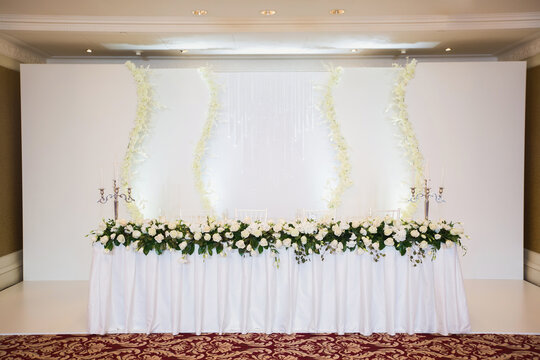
{"points": [[345, 293]]}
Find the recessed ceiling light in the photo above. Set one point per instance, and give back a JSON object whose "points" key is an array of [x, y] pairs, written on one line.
{"points": [[448, 49], [337, 12], [355, 50], [403, 51], [89, 51], [138, 52], [182, 51], [199, 12], [268, 12]]}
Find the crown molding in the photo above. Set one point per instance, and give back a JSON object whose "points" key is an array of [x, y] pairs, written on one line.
{"points": [[522, 51], [19, 22], [15, 49]]}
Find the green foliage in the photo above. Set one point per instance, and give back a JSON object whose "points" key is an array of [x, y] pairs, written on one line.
{"points": [[305, 237]]}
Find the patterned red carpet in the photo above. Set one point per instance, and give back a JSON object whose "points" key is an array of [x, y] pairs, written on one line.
{"points": [[266, 347]]}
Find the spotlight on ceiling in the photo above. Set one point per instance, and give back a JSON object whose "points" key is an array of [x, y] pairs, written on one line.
{"points": [[200, 12], [89, 51], [448, 49], [268, 12], [355, 50], [337, 12], [403, 51], [138, 52], [182, 51]]}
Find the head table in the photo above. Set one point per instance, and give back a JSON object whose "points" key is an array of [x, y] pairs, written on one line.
{"points": [[344, 293]]}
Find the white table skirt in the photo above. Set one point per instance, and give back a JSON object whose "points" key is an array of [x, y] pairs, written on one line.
{"points": [[345, 293]]}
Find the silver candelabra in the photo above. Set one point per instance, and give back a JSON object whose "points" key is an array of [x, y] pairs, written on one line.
{"points": [[427, 195], [115, 196]]}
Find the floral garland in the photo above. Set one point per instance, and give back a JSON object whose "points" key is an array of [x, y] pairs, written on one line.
{"points": [[200, 149], [306, 237], [344, 168], [409, 142], [134, 152]]}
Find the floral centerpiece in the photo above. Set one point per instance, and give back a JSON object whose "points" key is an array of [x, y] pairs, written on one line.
{"points": [[415, 239]]}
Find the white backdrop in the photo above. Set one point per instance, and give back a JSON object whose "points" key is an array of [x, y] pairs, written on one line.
{"points": [[469, 118]]}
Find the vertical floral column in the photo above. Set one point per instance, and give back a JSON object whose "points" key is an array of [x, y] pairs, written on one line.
{"points": [[343, 168], [200, 149], [134, 152], [409, 142]]}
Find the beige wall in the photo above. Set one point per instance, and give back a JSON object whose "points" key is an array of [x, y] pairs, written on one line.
{"points": [[532, 161], [10, 162]]}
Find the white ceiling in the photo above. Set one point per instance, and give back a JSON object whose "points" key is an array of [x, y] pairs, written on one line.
{"points": [[66, 28]]}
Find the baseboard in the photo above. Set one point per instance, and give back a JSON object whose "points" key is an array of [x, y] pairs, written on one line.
{"points": [[11, 271], [532, 267]]}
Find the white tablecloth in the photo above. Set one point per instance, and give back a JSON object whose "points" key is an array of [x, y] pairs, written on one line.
{"points": [[131, 292]]}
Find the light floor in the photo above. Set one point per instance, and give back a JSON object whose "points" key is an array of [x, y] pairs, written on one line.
{"points": [[59, 307]]}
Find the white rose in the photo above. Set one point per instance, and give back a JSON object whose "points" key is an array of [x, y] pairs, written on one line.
{"points": [[318, 237], [353, 237], [363, 232], [437, 236], [366, 241], [263, 242], [295, 246], [340, 246], [240, 244], [415, 233], [387, 231], [94, 238], [113, 235], [287, 242], [334, 244], [235, 227], [179, 235], [257, 233], [220, 229], [389, 242], [351, 244], [173, 234], [278, 244], [317, 246], [171, 225], [104, 239], [152, 231], [277, 235], [122, 222], [159, 238], [355, 224], [207, 237], [303, 239], [277, 228], [216, 237], [244, 233], [310, 251], [376, 246], [249, 248], [206, 228], [229, 235], [423, 229], [121, 239], [372, 229], [136, 234], [449, 243], [183, 245], [423, 244], [295, 232], [197, 236], [344, 226]]}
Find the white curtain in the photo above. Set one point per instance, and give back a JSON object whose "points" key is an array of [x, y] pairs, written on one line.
{"points": [[270, 147]]}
